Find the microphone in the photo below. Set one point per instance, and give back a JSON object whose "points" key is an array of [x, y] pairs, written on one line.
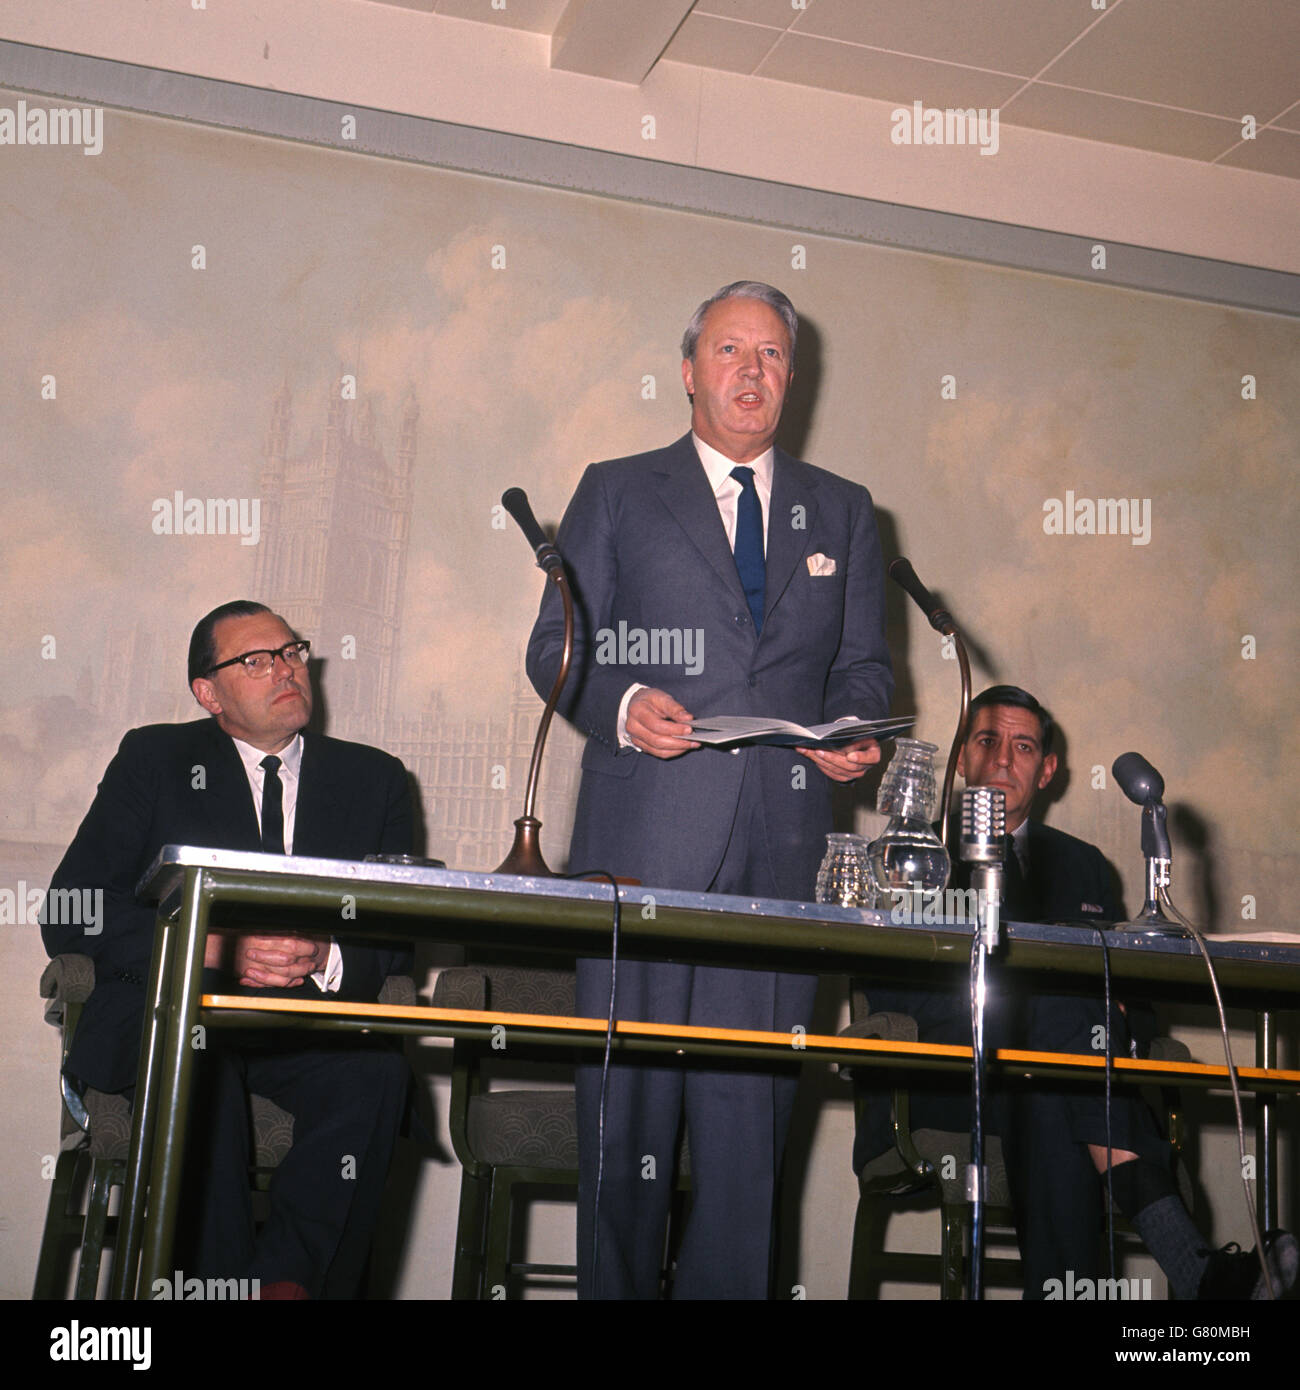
{"points": [[1144, 786], [902, 573], [1138, 780], [515, 501], [983, 825], [983, 845]]}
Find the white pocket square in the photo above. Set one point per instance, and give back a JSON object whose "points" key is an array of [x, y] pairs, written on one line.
{"points": [[819, 565]]}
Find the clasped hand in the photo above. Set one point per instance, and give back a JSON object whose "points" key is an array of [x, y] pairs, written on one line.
{"points": [[268, 962]]}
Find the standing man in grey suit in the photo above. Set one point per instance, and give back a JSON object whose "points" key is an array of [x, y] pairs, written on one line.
{"points": [[716, 576]]}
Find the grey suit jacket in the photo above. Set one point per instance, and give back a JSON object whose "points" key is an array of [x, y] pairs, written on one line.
{"points": [[647, 554]]}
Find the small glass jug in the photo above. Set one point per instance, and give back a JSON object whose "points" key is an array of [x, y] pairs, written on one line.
{"points": [[844, 878]]}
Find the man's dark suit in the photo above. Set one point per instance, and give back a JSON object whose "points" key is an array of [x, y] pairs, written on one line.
{"points": [[1055, 1187], [185, 784], [646, 548]]}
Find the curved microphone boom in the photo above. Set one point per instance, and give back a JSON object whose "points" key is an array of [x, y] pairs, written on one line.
{"points": [[525, 855], [902, 573]]}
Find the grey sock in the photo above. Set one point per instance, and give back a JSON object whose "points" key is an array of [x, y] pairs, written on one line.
{"points": [[1168, 1233]]}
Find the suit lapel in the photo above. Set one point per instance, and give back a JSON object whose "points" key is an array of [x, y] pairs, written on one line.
{"points": [[684, 490], [792, 486], [227, 804], [320, 805]]}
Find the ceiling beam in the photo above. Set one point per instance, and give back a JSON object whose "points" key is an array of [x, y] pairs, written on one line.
{"points": [[615, 39]]}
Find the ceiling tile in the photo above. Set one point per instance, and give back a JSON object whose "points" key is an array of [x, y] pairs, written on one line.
{"points": [[1223, 57], [1119, 122], [1017, 36], [778, 13], [863, 72], [536, 16], [1271, 152], [720, 43]]}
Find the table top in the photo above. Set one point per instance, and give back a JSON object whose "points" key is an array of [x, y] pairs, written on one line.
{"points": [[564, 914]]}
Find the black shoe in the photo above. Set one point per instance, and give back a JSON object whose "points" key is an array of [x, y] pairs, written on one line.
{"points": [[1232, 1274]]}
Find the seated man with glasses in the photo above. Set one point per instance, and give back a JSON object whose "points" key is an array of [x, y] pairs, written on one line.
{"points": [[251, 778]]}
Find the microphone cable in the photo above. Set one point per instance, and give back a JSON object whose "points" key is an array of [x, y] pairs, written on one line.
{"points": [[604, 1069], [1110, 1067], [1109, 1070], [1247, 1183]]}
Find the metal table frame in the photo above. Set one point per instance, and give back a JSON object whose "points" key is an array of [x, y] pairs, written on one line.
{"points": [[193, 886]]}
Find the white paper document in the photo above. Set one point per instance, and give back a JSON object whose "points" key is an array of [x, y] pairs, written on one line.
{"points": [[723, 729]]}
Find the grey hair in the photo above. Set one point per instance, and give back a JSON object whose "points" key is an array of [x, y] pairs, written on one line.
{"points": [[742, 289]]}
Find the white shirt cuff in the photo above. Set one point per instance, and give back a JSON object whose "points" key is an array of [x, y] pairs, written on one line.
{"points": [[623, 740], [330, 980]]}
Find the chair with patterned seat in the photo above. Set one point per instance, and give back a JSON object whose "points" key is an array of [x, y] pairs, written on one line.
{"points": [[95, 1133]]}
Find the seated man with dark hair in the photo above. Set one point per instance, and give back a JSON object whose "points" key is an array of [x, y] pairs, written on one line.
{"points": [[250, 778], [1055, 1140]]}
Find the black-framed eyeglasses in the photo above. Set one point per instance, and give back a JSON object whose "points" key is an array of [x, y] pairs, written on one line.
{"points": [[262, 662]]}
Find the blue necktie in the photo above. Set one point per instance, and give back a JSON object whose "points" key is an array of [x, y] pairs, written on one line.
{"points": [[750, 564], [272, 806]]}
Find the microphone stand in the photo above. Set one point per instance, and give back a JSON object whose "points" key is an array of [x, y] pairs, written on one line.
{"points": [[902, 573], [525, 855], [983, 816], [983, 821], [1159, 862], [1145, 787], [963, 720]]}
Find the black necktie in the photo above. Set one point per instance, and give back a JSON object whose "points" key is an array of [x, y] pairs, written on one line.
{"points": [[1015, 891], [272, 806], [750, 564]]}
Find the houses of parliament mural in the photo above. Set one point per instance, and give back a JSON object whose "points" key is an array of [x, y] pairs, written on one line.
{"points": [[333, 560]]}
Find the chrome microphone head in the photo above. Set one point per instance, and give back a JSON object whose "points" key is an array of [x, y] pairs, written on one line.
{"points": [[983, 825]]}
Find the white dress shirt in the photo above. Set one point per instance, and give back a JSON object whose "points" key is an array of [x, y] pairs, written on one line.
{"points": [[1020, 843], [331, 978], [727, 490]]}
